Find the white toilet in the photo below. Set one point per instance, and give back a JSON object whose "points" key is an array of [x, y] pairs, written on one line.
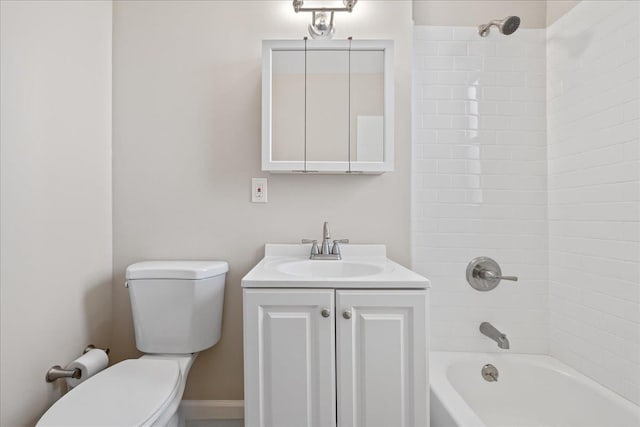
{"points": [[177, 312]]}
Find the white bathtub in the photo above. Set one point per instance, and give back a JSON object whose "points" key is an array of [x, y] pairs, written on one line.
{"points": [[531, 390]]}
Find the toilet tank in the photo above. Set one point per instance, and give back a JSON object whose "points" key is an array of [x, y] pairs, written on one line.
{"points": [[176, 305]]}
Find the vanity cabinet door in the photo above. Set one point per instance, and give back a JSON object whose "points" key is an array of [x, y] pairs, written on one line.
{"points": [[289, 351], [382, 358]]}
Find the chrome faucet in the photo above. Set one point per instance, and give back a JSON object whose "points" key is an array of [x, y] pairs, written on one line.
{"points": [[325, 250], [489, 330], [325, 239]]}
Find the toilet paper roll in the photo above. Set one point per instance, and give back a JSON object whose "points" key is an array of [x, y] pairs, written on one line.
{"points": [[90, 363]]}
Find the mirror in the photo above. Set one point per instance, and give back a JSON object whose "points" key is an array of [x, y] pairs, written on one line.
{"points": [[327, 106], [288, 106], [367, 106]]}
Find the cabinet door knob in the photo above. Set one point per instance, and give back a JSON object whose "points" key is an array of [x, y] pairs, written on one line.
{"points": [[326, 312], [346, 314]]}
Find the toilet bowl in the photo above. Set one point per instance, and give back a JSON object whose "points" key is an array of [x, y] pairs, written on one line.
{"points": [[177, 312]]}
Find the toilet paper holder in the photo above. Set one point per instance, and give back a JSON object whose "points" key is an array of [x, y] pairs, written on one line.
{"points": [[56, 372], [90, 347]]}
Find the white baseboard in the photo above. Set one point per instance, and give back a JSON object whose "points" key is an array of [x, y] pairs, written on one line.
{"points": [[212, 409]]}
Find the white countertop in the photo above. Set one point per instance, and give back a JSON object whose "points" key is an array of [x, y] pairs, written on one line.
{"points": [[388, 274]]}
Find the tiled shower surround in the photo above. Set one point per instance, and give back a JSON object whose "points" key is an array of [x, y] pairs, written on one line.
{"points": [[479, 182], [527, 150], [594, 192]]}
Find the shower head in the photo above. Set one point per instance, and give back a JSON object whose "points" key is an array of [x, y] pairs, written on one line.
{"points": [[507, 26]]}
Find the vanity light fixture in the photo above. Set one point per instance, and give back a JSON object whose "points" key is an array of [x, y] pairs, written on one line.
{"points": [[322, 26]]}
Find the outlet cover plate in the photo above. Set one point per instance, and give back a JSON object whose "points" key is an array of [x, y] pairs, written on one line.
{"points": [[259, 190]]}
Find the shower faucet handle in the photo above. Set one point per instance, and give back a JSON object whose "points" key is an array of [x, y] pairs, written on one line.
{"points": [[484, 274], [488, 274]]}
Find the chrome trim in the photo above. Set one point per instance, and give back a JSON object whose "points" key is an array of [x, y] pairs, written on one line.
{"points": [[490, 373], [490, 331], [484, 274], [56, 372]]}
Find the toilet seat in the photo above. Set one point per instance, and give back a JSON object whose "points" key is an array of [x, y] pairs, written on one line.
{"points": [[134, 392]]}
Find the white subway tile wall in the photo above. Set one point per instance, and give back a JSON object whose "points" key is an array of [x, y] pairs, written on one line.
{"points": [[593, 73], [480, 181]]}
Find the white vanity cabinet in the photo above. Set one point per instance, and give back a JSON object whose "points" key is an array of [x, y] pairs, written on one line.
{"points": [[289, 357], [382, 358], [327, 357]]}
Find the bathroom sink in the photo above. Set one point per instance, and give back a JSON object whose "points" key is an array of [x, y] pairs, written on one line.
{"points": [[329, 269], [361, 267]]}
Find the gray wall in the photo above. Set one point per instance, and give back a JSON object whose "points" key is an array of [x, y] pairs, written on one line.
{"points": [[187, 111], [56, 195]]}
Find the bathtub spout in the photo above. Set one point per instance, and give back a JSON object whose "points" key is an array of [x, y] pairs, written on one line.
{"points": [[503, 342], [489, 330]]}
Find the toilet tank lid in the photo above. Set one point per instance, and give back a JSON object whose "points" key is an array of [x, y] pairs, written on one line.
{"points": [[188, 270]]}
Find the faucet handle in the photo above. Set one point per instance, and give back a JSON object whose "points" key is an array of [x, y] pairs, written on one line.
{"points": [[335, 250], [492, 275], [314, 245], [484, 274]]}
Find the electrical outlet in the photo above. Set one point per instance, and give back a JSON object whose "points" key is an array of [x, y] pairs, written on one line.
{"points": [[259, 190]]}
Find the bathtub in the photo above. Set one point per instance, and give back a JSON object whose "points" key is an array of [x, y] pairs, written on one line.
{"points": [[532, 390]]}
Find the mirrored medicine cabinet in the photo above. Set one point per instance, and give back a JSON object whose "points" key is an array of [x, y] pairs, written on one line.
{"points": [[327, 106]]}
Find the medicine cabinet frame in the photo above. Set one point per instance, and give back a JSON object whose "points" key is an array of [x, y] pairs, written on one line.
{"points": [[328, 167]]}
